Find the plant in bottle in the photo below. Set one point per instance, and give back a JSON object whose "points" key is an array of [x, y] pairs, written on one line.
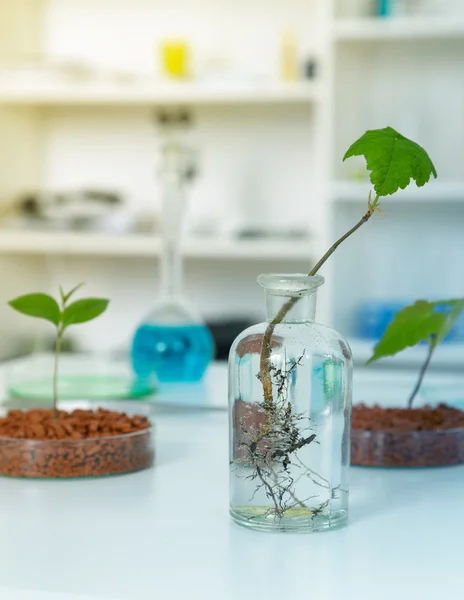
{"points": [[284, 430]]}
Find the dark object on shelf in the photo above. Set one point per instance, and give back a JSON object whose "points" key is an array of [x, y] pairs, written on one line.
{"points": [[72, 210], [83, 443], [309, 69], [400, 437], [181, 117], [290, 234], [225, 332]]}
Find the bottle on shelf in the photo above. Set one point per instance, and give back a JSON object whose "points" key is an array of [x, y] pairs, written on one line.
{"points": [[289, 57], [173, 344]]}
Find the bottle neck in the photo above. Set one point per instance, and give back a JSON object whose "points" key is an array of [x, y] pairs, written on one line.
{"points": [[302, 310], [171, 270], [173, 206]]}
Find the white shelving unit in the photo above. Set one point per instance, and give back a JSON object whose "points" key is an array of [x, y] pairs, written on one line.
{"points": [[140, 94], [146, 246], [448, 356], [399, 29], [435, 191], [270, 152]]}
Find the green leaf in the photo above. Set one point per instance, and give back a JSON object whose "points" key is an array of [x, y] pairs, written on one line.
{"points": [[66, 297], [41, 306], [393, 160], [84, 310], [450, 320], [413, 324]]}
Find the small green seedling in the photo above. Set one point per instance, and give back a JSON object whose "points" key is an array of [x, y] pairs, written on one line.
{"points": [[423, 321], [393, 161], [62, 315]]}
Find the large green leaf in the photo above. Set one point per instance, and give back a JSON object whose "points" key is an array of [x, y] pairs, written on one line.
{"points": [[457, 307], [414, 324], [84, 310], [41, 306], [393, 160]]}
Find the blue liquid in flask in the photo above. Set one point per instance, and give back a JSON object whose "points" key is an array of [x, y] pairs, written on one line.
{"points": [[173, 353]]}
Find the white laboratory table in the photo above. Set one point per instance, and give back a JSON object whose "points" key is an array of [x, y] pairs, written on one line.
{"points": [[165, 533]]}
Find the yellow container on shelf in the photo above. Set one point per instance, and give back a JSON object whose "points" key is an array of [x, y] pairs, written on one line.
{"points": [[289, 57], [175, 59]]}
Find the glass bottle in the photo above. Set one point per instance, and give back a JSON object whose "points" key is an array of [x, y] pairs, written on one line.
{"points": [[173, 343], [290, 456]]}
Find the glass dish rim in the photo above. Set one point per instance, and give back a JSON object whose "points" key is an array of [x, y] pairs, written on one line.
{"points": [[412, 432]]}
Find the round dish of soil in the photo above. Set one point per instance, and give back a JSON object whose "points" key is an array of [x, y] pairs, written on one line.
{"points": [[398, 437], [81, 443]]}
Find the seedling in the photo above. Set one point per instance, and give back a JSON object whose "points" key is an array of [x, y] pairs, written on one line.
{"points": [[423, 321], [393, 161], [62, 315]]}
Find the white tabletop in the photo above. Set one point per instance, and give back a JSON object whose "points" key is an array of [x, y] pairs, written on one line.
{"points": [[165, 533]]}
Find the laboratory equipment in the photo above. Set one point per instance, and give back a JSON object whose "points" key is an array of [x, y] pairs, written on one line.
{"points": [[173, 344], [289, 455]]}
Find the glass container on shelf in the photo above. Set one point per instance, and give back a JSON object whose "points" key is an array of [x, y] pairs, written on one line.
{"points": [[290, 452], [173, 343]]}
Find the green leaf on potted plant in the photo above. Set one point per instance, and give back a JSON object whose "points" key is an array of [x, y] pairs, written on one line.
{"points": [[413, 324], [40, 306], [84, 310]]}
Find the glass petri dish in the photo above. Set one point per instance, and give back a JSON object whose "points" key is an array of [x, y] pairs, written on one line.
{"points": [[81, 376], [70, 459]]}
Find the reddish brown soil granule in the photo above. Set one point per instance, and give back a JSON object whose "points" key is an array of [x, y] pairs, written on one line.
{"points": [[399, 437], [427, 418], [253, 344], [82, 443]]}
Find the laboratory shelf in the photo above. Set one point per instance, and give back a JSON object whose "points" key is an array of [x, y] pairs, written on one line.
{"points": [[55, 93], [90, 244], [398, 28], [434, 191], [447, 356]]}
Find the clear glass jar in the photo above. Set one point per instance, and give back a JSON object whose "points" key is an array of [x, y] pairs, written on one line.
{"points": [[290, 452]]}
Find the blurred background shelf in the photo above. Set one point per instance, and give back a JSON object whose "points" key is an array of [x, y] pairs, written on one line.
{"points": [[273, 97], [86, 244], [94, 94], [435, 191], [448, 356], [399, 28]]}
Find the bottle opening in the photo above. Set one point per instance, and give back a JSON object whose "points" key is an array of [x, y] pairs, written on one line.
{"points": [[290, 284]]}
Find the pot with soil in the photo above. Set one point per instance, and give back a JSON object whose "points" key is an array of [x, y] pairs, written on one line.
{"points": [[82, 443], [411, 437]]}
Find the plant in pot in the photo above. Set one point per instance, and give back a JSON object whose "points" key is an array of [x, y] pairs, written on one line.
{"points": [[290, 381], [411, 437], [82, 443]]}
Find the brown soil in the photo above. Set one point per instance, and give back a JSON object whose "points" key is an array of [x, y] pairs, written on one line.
{"points": [[82, 443], [247, 417], [253, 344], [399, 437], [400, 419]]}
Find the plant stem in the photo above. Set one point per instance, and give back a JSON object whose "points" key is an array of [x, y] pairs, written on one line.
{"points": [[421, 375], [266, 349], [55, 370], [340, 241]]}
